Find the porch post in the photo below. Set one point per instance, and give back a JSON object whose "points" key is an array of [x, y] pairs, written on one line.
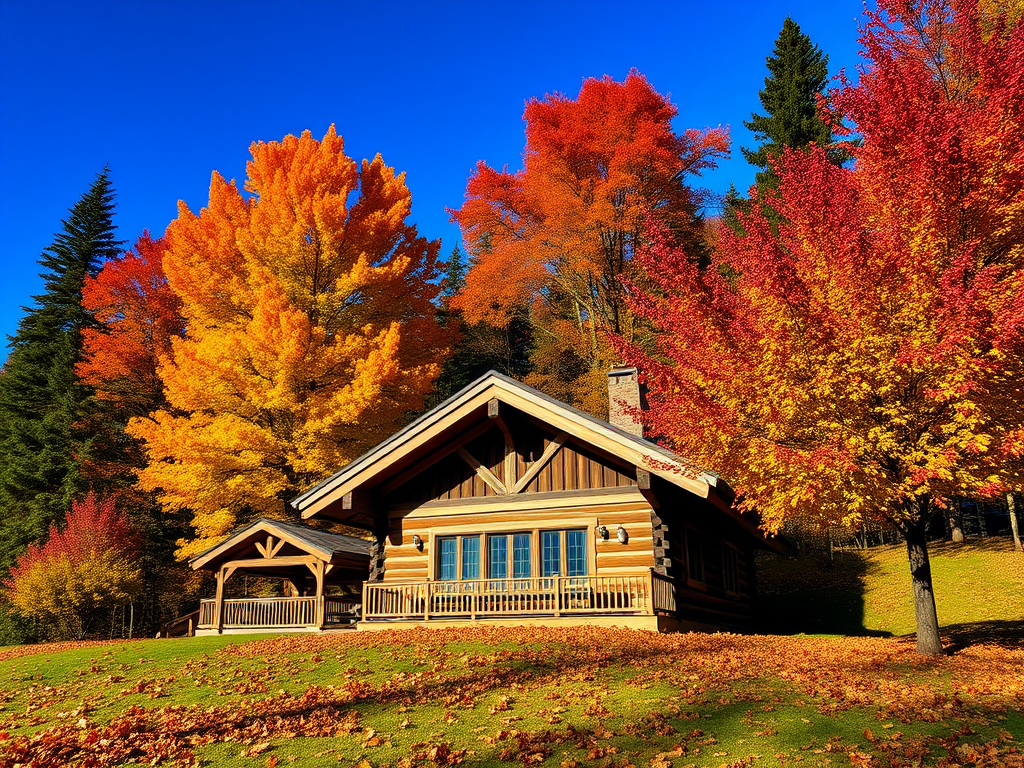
{"points": [[218, 606], [319, 573]]}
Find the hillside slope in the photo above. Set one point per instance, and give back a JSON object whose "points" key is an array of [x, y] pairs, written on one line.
{"points": [[979, 587]]}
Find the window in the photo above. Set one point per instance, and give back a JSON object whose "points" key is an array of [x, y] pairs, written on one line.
{"points": [[497, 557], [551, 553], [576, 553], [512, 555], [470, 557], [521, 556], [730, 569], [447, 549], [694, 556]]}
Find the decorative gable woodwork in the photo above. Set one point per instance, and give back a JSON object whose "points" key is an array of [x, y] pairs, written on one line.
{"points": [[514, 456]]}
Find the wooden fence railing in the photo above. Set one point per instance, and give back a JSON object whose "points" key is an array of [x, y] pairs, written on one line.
{"points": [[270, 612], [340, 610], [663, 590], [551, 596], [274, 612]]}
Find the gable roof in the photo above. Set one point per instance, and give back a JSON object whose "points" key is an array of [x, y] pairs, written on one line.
{"points": [[321, 543], [629, 448]]}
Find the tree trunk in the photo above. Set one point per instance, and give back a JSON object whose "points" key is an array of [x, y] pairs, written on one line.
{"points": [[1013, 522], [928, 641], [955, 523]]}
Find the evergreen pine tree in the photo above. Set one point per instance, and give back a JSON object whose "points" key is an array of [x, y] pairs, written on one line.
{"points": [[732, 206], [797, 74], [480, 346], [41, 398], [454, 275]]}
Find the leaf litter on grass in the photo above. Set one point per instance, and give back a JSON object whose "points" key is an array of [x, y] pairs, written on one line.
{"points": [[533, 696]]}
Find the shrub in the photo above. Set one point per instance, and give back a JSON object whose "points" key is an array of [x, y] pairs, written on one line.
{"points": [[81, 570]]}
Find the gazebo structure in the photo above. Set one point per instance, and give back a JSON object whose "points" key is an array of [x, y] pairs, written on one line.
{"points": [[308, 560]]}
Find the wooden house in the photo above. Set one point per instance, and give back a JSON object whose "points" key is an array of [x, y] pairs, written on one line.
{"points": [[505, 505]]}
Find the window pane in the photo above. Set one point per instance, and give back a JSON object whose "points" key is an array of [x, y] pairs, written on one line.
{"points": [[497, 564], [471, 557], [446, 559], [521, 556], [576, 553], [551, 553]]}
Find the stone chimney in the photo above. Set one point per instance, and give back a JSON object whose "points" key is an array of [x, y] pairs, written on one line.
{"points": [[623, 396]]}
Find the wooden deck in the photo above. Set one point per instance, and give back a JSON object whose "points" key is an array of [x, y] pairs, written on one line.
{"points": [[646, 593]]}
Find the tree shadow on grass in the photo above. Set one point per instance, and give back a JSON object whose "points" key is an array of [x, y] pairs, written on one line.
{"points": [[1006, 634], [812, 595]]}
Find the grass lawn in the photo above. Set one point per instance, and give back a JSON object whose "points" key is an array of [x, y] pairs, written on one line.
{"points": [[979, 591], [565, 697]]}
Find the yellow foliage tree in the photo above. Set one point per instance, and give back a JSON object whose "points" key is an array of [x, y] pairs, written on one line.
{"points": [[311, 332]]}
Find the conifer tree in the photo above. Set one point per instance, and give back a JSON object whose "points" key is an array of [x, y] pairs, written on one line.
{"points": [[797, 73], [41, 398]]}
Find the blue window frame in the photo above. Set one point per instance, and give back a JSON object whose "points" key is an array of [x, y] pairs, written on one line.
{"points": [[510, 555], [470, 557], [551, 553], [521, 556], [497, 557], [447, 562], [576, 553]]}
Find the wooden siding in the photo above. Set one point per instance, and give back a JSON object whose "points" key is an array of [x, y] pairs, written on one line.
{"points": [[708, 602], [403, 562], [572, 467]]}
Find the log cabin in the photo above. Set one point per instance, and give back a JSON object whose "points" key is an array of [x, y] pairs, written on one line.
{"points": [[503, 505]]}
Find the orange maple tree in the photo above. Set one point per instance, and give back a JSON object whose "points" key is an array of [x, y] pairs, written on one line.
{"points": [[311, 332], [555, 236], [865, 358]]}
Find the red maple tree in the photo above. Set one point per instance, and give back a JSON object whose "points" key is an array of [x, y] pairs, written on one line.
{"points": [[554, 237], [863, 358]]}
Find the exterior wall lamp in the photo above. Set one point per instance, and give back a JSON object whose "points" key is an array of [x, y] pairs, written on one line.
{"points": [[417, 542], [602, 532], [622, 535]]}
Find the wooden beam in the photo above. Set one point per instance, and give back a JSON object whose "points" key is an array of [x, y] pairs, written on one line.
{"points": [[218, 606], [276, 549], [280, 536], [433, 458], [538, 465], [644, 484], [262, 562], [358, 501], [484, 472], [319, 573], [509, 466], [508, 470]]}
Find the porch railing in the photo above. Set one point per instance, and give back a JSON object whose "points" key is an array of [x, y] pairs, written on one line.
{"points": [[276, 612], [640, 593]]}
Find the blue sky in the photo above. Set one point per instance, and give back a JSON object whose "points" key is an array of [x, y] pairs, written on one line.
{"points": [[166, 92]]}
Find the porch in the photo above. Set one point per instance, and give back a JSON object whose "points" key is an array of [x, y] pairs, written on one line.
{"points": [[321, 573], [643, 600], [555, 599]]}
